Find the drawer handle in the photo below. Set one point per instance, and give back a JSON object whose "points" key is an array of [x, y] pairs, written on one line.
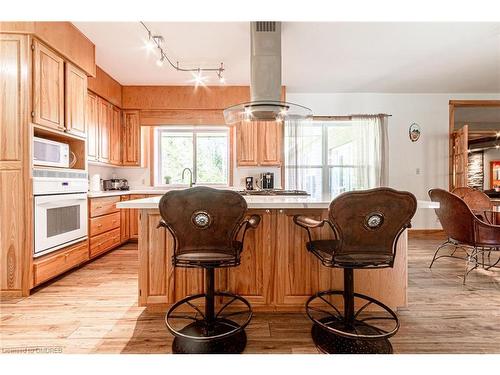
{"points": [[98, 207], [99, 225]]}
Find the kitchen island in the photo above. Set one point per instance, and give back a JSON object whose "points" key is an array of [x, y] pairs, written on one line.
{"points": [[276, 271]]}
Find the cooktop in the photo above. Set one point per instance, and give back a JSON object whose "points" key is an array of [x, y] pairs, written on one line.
{"points": [[273, 192]]}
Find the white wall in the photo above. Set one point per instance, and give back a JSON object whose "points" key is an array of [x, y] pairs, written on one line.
{"points": [[489, 155], [429, 154]]}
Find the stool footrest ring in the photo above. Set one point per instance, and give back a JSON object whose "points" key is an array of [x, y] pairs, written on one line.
{"points": [[201, 329], [353, 327]]}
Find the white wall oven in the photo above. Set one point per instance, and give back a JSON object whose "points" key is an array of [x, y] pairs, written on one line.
{"points": [[60, 209]]}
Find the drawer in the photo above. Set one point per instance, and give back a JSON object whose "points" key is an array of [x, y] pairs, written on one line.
{"points": [[103, 206], [99, 244], [104, 223], [52, 265]]}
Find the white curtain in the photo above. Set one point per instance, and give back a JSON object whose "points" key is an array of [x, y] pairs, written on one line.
{"points": [[371, 149], [310, 147]]}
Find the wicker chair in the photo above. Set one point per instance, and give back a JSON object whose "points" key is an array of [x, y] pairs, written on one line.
{"points": [[367, 225], [208, 227]]}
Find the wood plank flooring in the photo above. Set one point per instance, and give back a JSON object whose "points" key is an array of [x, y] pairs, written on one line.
{"points": [[93, 309]]}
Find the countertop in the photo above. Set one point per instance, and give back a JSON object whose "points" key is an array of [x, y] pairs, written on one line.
{"points": [[111, 193], [262, 202]]}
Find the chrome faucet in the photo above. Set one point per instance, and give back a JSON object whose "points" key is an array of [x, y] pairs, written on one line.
{"points": [[190, 176]]}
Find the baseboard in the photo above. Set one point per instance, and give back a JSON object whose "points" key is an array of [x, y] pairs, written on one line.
{"points": [[425, 231]]}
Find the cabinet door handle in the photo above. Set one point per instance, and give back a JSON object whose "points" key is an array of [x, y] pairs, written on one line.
{"points": [[268, 211]]}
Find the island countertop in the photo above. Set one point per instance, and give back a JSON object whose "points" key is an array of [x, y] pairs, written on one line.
{"points": [[262, 202]]}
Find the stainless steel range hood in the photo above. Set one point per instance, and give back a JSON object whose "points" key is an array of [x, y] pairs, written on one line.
{"points": [[265, 87]]}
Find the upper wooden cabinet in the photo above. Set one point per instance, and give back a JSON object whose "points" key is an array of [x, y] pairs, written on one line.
{"points": [[270, 144], [75, 100], [246, 143], [131, 138], [13, 95], [115, 137], [48, 87], [92, 123], [259, 143], [105, 115]]}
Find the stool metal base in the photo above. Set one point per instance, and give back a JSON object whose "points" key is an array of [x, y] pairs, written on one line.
{"points": [[330, 343], [231, 344]]}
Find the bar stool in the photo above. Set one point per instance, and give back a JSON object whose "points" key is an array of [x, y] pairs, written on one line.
{"points": [[208, 229], [367, 225]]}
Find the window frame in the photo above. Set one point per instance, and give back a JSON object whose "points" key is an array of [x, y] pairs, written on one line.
{"points": [[194, 129], [325, 166]]}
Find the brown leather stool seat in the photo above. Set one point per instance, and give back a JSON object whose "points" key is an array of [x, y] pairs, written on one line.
{"points": [[208, 227], [366, 226], [325, 251]]}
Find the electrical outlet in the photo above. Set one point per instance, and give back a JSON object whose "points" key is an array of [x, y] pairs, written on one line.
{"points": [[417, 171]]}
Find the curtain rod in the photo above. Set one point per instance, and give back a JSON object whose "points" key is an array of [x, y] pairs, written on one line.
{"points": [[350, 116]]}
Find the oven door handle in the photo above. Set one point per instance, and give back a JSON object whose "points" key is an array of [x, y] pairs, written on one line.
{"points": [[60, 203]]}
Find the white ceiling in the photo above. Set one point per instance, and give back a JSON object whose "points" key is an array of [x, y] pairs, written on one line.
{"points": [[317, 57]]}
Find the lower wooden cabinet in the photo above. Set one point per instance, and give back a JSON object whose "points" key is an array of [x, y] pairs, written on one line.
{"points": [[134, 218], [104, 225], [124, 221], [52, 265], [104, 242], [253, 278]]}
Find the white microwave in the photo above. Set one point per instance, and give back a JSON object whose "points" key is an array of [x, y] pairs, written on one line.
{"points": [[50, 153]]}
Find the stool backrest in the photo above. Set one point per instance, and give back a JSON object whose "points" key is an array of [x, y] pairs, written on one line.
{"points": [[202, 219], [371, 221], [462, 191], [454, 215]]}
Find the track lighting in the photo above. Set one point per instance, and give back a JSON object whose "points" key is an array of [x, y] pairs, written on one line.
{"points": [[157, 41]]}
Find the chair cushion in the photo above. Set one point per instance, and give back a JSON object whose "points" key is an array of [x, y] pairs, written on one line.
{"points": [[325, 251], [210, 256]]}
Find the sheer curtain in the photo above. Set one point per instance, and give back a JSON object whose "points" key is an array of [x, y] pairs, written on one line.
{"points": [[332, 156]]}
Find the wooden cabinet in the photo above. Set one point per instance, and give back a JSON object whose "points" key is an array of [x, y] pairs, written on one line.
{"points": [[131, 138], [134, 218], [104, 225], [52, 265], [103, 206], [92, 122], [299, 274], [48, 87], [124, 221], [253, 278], [104, 121], [75, 100], [115, 137], [259, 143], [104, 242], [246, 144], [15, 187], [104, 124], [270, 143]]}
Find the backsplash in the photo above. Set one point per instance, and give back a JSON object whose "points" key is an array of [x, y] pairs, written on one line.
{"points": [[139, 177]]}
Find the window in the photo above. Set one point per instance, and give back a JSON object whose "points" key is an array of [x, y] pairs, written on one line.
{"points": [[329, 157], [205, 150]]}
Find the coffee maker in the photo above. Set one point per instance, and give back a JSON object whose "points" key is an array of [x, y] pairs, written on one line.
{"points": [[248, 183], [267, 180]]}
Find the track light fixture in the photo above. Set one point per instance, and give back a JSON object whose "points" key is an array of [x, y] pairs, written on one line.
{"points": [[157, 41]]}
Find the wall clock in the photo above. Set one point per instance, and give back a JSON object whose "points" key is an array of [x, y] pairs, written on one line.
{"points": [[414, 132]]}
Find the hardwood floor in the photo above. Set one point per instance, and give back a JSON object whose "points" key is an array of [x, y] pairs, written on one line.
{"points": [[94, 310]]}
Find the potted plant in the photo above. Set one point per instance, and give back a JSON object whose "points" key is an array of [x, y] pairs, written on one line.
{"points": [[167, 180]]}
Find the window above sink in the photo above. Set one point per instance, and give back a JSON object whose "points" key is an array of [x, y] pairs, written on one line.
{"points": [[203, 149]]}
